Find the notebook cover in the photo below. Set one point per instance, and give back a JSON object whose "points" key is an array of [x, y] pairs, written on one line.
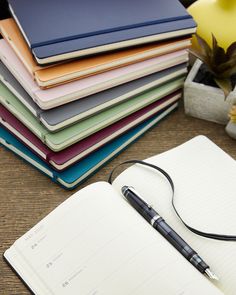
{"points": [[82, 170], [115, 40], [89, 18], [90, 65], [15, 87], [79, 109], [82, 148], [66, 137], [59, 95]]}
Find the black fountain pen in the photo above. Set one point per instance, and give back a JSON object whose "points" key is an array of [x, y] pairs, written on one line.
{"points": [[166, 231]]}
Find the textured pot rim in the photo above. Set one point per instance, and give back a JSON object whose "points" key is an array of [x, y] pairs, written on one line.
{"points": [[192, 74]]}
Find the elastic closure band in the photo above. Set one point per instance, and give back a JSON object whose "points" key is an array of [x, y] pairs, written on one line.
{"points": [[214, 236]]}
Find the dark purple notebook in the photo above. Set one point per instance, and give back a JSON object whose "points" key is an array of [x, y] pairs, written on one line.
{"points": [[65, 158]]}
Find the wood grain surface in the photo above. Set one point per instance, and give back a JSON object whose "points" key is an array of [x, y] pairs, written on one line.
{"points": [[26, 195]]}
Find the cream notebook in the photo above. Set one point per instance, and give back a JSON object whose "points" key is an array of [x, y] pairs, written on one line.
{"points": [[96, 243]]}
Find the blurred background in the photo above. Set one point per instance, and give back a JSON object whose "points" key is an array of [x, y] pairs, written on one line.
{"points": [[3, 9], [186, 3]]}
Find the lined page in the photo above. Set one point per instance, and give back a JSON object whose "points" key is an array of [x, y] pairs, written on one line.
{"points": [[205, 196], [95, 243]]}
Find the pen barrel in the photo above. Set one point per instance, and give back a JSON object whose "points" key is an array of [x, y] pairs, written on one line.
{"points": [[166, 231], [163, 228]]}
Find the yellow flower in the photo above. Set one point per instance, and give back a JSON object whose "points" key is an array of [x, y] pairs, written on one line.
{"points": [[232, 114]]}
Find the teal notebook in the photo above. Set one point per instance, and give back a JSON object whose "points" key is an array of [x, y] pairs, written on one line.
{"points": [[72, 134], [80, 171]]}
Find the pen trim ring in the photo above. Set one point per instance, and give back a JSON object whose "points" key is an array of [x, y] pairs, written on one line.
{"points": [[154, 219]]}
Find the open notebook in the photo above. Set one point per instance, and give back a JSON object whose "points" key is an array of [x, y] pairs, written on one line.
{"points": [[96, 243]]}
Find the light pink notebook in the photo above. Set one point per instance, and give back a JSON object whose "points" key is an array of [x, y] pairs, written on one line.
{"points": [[63, 94]]}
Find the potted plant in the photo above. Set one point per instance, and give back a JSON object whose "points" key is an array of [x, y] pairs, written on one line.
{"points": [[217, 17], [209, 90]]}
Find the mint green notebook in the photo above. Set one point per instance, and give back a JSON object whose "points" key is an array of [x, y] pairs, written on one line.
{"points": [[72, 134]]}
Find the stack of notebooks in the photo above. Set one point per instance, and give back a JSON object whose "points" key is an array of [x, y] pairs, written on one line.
{"points": [[80, 81]]}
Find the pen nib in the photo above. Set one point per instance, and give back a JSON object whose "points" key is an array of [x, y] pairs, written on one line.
{"points": [[211, 275]]}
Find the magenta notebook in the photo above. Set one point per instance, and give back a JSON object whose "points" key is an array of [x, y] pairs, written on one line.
{"points": [[63, 159]]}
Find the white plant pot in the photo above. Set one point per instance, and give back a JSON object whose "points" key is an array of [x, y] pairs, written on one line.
{"points": [[206, 102], [231, 129]]}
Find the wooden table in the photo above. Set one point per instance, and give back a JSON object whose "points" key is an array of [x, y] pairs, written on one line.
{"points": [[27, 196]]}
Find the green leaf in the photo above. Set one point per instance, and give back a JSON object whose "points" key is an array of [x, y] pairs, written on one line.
{"points": [[204, 47], [199, 55], [220, 63], [219, 56], [214, 41], [225, 85], [229, 72], [227, 69], [231, 51]]}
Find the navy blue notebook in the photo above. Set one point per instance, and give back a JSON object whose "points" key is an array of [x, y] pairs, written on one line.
{"points": [[91, 23]]}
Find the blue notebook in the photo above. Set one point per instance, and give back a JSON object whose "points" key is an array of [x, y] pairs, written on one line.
{"points": [[80, 171], [47, 25]]}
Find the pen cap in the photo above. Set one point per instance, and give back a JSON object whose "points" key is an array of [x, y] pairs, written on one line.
{"points": [[138, 204]]}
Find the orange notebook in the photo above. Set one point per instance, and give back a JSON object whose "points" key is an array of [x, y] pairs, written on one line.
{"points": [[54, 75]]}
